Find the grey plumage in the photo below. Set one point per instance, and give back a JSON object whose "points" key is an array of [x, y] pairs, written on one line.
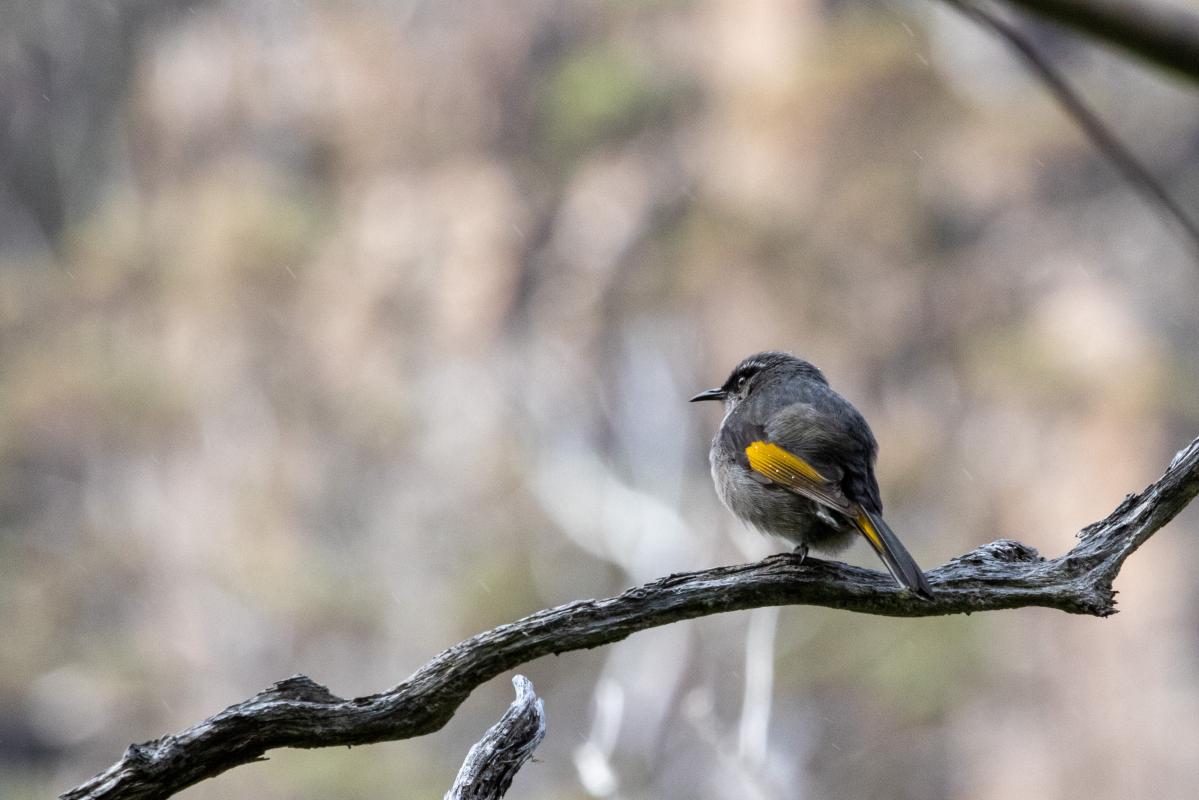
{"points": [[778, 399]]}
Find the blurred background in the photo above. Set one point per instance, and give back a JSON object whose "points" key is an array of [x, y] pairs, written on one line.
{"points": [[334, 333]]}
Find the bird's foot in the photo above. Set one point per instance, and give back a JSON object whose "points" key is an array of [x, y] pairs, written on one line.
{"points": [[801, 550]]}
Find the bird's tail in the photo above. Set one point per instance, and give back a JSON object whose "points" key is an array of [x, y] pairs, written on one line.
{"points": [[900, 563]]}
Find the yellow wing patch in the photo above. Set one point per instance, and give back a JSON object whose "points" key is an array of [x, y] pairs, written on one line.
{"points": [[867, 528], [780, 466], [791, 471]]}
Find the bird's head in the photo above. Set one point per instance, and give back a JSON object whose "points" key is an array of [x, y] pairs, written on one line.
{"points": [[757, 371]]}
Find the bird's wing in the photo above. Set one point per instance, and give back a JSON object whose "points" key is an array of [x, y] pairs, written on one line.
{"points": [[830, 434], [836, 469], [785, 468], [770, 462]]}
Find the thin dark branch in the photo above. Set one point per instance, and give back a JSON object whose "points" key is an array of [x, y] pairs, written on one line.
{"points": [[299, 713], [1161, 33], [1136, 173], [495, 759]]}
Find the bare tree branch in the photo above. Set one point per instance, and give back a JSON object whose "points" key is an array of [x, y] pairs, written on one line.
{"points": [[300, 713], [1163, 34], [1136, 173], [495, 759]]}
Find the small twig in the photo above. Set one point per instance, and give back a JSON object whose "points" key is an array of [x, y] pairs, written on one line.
{"points": [[1092, 126], [300, 713], [495, 759]]}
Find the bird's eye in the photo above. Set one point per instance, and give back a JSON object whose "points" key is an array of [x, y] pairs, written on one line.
{"points": [[741, 382]]}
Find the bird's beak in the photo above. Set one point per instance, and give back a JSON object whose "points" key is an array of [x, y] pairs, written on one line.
{"points": [[709, 394]]}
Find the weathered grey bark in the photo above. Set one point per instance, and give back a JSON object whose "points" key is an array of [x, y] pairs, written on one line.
{"points": [[1161, 33], [300, 713], [495, 759]]}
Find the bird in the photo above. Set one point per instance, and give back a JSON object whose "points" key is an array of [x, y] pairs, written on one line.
{"points": [[795, 459]]}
